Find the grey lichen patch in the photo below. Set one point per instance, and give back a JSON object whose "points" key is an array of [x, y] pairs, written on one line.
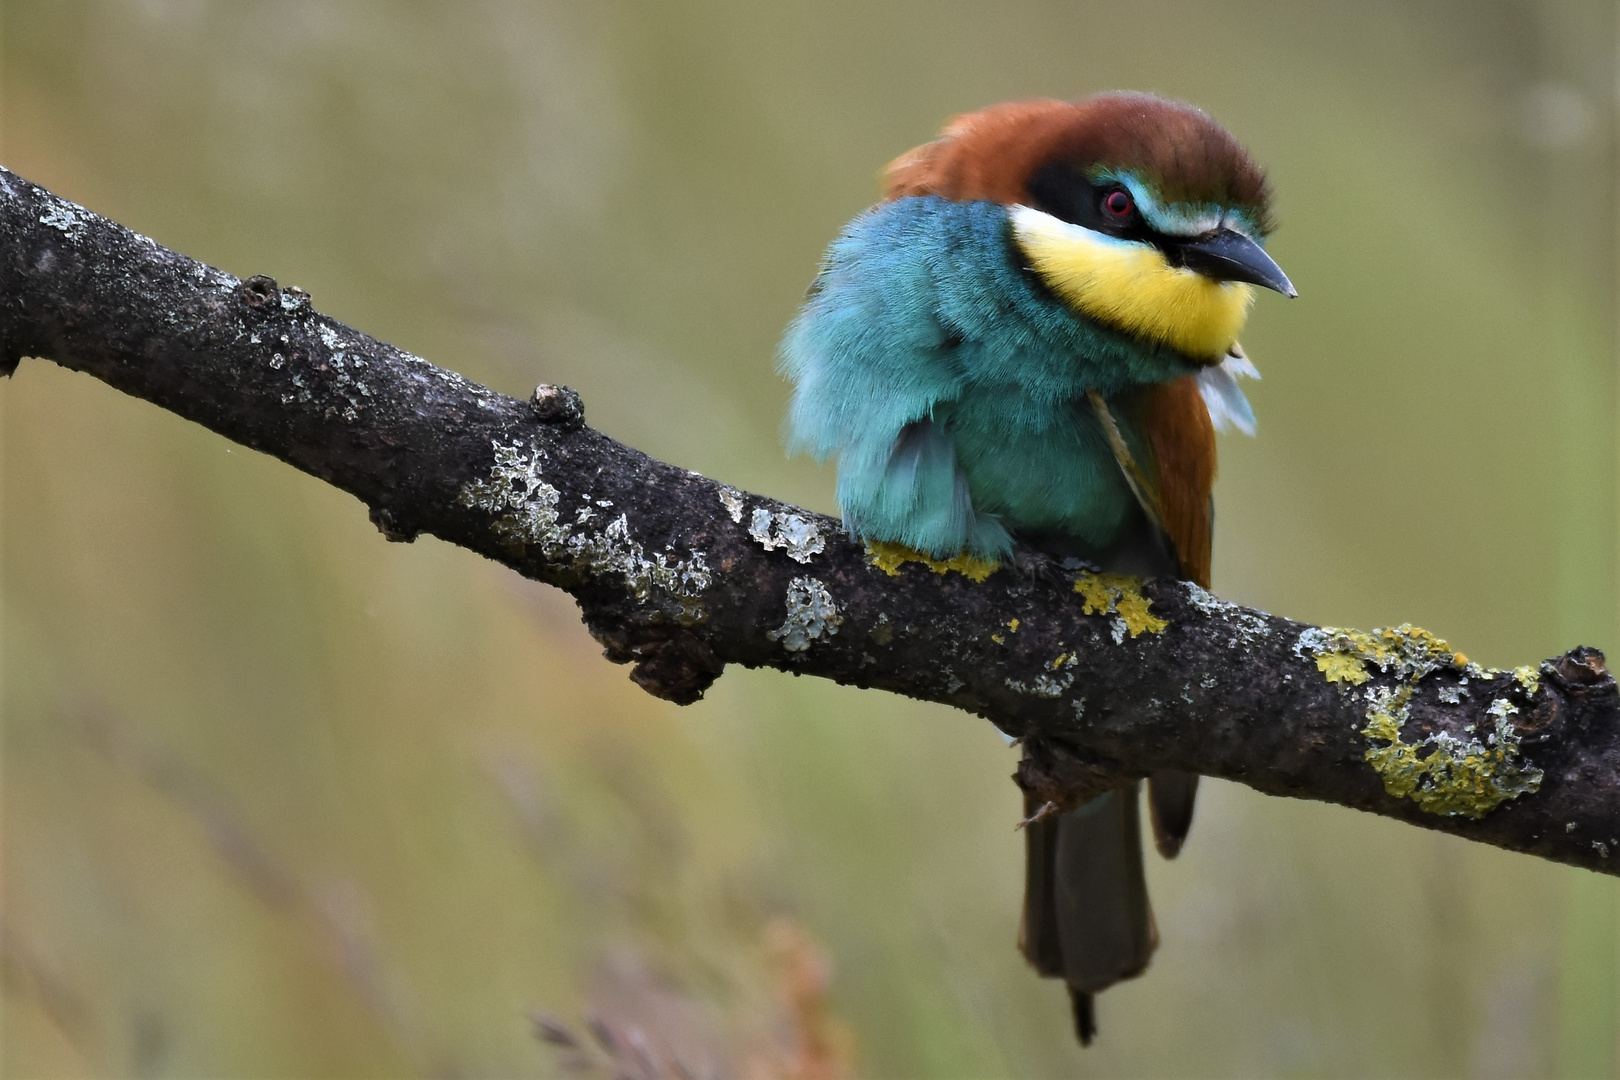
{"points": [[811, 615], [296, 302], [731, 499], [526, 512], [1204, 600], [1444, 774], [1247, 627], [66, 217], [1042, 686], [1048, 684], [797, 537], [347, 378]]}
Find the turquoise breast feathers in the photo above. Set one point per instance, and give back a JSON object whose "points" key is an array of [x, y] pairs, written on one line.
{"points": [[950, 385]]}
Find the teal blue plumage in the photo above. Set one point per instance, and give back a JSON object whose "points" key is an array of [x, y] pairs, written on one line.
{"points": [[950, 385]]}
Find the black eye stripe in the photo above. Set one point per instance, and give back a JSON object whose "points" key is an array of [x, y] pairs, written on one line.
{"points": [[1062, 191], [1065, 194]]}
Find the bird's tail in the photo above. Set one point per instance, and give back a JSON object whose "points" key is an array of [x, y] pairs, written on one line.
{"points": [[1086, 914], [1170, 802]]}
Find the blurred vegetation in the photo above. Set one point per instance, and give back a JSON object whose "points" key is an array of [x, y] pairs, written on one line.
{"points": [[281, 799]]}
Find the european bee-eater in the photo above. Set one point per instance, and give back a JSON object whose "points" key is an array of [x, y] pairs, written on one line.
{"points": [[1033, 339]]}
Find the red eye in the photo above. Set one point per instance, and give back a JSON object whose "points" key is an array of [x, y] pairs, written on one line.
{"points": [[1118, 204]]}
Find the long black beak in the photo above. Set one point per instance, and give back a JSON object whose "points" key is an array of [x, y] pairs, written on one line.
{"points": [[1228, 255]]}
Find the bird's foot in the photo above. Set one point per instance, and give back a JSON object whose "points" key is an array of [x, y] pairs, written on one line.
{"points": [[1037, 566], [1047, 809], [1057, 776]]}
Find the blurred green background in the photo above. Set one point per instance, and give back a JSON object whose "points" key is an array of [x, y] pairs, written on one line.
{"points": [[282, 799]]}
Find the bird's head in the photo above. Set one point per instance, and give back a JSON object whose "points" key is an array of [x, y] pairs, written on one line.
{"points": [[1141, 213]]}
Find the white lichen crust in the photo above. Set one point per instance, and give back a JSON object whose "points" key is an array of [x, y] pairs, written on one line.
{"points": [[1053, 684], [1248, 627], [796, 536], [811, 615], [347, 380], [732, 500], [526, 512], [66, 217]]}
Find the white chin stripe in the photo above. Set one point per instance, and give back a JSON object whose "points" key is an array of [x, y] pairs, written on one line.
{"points": [[1029, 221]]}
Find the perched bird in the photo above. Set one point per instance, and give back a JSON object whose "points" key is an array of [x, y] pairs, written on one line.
{"points": [[1032, 340]]}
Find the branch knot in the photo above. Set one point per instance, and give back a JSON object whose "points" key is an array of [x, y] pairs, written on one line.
{"points": [[558, 405]]}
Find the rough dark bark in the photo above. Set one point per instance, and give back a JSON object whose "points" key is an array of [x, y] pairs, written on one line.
{"points": [[1105, 679]]}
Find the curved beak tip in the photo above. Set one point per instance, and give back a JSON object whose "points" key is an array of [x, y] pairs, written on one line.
{"points": [[1231, 256]]}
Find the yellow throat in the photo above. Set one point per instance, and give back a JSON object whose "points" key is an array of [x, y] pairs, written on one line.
{"points": [[1129, 286]]}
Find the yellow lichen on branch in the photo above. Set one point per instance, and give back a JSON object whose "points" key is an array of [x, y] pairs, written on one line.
{"points": [[1444, 774], [1119, 594], [1407, 651], [1342, 667], [889, 558]]}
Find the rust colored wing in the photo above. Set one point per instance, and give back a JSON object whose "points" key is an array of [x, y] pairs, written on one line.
{"points": [[1175, 421]]}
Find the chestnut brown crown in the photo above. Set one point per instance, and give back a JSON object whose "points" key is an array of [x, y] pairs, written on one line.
{"points": [[995, 153]]}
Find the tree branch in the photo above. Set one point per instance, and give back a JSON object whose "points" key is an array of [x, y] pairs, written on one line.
{"points": [[1106, 679]]}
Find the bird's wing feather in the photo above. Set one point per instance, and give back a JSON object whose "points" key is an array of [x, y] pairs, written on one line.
{"points": [[917, 496], [871, 362], [866, 353], [1175, 422]]}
